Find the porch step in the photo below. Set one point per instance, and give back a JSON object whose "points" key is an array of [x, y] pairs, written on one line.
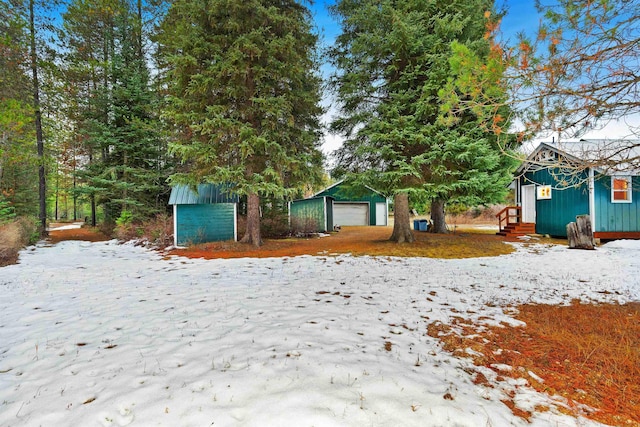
{"points": [[518, 229]]}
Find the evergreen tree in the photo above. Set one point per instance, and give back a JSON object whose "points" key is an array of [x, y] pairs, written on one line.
{"points": [[16, 117], [244, 96], [392, 60], [115, 110], [23, 25]]}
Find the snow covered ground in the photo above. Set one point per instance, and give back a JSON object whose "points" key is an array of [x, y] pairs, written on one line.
{"points": [[101, 334]]}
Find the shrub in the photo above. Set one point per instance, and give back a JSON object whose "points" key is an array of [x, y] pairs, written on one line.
{"points": [[302, 227], [156, 232], [126, 218], [7, 212], [275, 224]]}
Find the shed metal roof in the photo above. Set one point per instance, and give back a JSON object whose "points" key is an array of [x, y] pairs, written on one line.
{"points": [[207, 194]]}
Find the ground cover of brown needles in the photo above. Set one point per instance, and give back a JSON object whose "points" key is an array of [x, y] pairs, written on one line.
{"points": [[589, 354], [359, 241]]}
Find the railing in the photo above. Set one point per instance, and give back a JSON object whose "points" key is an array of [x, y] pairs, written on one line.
{"points": [[509, 215]]}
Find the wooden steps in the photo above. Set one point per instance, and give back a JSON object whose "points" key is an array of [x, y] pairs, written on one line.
{"points": [[517, 229]]}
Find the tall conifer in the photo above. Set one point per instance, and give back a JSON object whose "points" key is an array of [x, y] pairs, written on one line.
{"points": [[244, 96]]}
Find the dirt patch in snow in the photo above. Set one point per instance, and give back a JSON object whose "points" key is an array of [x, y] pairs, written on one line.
{"points": [[87, 234]]}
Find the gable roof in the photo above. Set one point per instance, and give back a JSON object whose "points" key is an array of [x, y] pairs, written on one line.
{"points": [[607, 156], [341, 182], [206, 194]]}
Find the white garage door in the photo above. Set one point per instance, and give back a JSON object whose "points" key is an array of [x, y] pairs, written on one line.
{"points": [[350, 214]]}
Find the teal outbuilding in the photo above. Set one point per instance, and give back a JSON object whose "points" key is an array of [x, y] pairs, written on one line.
{"points": [[556, 183], [312, 215], [205, 214], [356, 205]]}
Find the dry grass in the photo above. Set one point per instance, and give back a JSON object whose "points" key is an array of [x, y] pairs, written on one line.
{"points": [[10, 243], [14, 236], [587, 353]]}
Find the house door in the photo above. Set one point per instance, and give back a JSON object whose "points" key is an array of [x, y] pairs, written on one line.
{"points": [[529, 203], [381, 214]]}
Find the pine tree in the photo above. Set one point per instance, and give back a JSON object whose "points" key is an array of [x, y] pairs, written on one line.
{"points": [[25, 56], [17, 186], [115, 110], [392, 60], [244, 96]]}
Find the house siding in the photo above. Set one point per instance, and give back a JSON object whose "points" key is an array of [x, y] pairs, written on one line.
{"points": [[616, 217], [567, 202], [341, 194], [205, 223]]}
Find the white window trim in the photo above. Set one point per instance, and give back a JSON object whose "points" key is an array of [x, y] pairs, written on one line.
{"points": [[629, 189]]}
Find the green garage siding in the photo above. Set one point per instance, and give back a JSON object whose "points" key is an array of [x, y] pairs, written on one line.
{"points": [[341, 193], [311, 215], [204, 223], [616, 217], [553, 215]]}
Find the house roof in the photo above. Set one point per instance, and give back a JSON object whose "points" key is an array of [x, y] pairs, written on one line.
{"points": [[341, 182], [604, 155], [206, 194]]}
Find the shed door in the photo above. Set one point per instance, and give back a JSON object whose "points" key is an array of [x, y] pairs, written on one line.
{"points": [[381, 214], [529, 203], [350, 214]]}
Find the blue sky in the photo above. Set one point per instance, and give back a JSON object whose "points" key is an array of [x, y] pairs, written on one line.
{"points": [[521, 16]]}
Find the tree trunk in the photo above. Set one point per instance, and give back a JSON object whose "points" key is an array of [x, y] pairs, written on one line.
{"points": [[94, 221], [401, 219], [252, 233], [42, 186], [438, 216]]}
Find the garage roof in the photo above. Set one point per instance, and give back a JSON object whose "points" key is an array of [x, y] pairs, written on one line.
{"points": [[341, 182]]}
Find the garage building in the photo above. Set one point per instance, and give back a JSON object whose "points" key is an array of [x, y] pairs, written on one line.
{"points": [[356, 206]]}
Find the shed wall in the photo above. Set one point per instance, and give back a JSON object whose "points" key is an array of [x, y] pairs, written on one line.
{"points": [[205, 223], [311, 214]]}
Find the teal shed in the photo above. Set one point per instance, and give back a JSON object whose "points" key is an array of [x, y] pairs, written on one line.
{"points": [[356, 206], [208, 214], [555, 184], [312, 215]]}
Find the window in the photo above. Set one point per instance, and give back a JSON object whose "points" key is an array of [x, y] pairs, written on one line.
{"points": [[621, 189]]}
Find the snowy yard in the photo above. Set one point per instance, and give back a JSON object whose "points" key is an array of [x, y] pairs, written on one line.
{"points": [[101, 334]]}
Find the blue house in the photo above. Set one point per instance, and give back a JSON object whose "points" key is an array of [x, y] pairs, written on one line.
{"points": [[206, 215], [559, 181]]}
